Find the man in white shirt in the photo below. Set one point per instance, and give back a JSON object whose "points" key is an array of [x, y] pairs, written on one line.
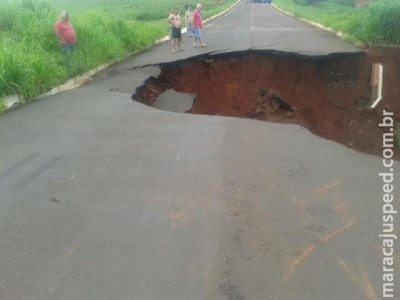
{"points": [[189, 22]]}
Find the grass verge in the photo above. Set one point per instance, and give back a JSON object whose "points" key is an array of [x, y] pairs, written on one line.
{"points": [[3, 106], [377, 22], [140, 10], [31, 61]]}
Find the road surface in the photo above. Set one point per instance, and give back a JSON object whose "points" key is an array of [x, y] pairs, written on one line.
{"points": [[103, 198]]}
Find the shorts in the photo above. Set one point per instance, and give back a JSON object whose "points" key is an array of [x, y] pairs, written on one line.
{"points": [[176, 33], [197, 33]]}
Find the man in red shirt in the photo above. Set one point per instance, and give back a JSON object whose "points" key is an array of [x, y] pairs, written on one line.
{"points": [[198, 24], [65, 32]]}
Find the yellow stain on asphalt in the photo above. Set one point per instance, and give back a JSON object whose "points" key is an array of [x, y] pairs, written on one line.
{"points": [[323, 190], [362, 281], [306, 252], [302, 206], [177, 217]]}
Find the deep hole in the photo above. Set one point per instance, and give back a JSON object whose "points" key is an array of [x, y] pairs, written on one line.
{"points": [[330, 96]]}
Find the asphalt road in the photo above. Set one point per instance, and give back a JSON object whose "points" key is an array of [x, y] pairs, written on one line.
{"points": [[103, 198], [252, 27]]}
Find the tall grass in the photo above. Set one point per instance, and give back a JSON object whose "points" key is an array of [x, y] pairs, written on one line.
{"points": [[139, 10], [31, 61], [378, 22], [375, 23], [314, 2]]}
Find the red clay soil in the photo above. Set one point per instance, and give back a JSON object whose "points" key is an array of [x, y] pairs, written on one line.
{"points": [[330, 97]]}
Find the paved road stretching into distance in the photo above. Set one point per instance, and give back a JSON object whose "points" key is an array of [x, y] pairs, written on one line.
{"points": [[255, 27], [103, 198]]}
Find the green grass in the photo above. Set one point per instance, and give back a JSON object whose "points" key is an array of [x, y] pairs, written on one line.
{"points": [[375, 23], [2, 106], [139, 10], [31, 61], [378, 23]]}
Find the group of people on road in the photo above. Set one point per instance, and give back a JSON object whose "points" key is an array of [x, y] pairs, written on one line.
{"points": [[193, 19], [194, 24]]}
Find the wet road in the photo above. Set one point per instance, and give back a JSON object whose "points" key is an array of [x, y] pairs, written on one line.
{"points": [[253, 26], [102, 198]]}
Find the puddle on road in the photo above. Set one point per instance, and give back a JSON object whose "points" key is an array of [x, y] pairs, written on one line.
{"points": [[331, 95]]}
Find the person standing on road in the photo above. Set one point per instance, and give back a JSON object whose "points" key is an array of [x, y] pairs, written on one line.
{"points": [[189, 22], [198, 24], [170, 26], [176, 30], [66, 33]]}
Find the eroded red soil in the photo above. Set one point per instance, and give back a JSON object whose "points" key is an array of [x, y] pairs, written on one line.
{"points": [[331, 96]]}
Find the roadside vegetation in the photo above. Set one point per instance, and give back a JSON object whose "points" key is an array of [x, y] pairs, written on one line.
{"points": [[140, 10], [371, 22], [31, 61], [367, 21]]}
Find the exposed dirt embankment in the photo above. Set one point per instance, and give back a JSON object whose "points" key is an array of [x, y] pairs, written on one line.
{"points": [[330, 96], [389, 57]]}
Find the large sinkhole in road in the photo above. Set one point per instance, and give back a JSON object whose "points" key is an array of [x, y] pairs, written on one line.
{"points": [[328, 95]]}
